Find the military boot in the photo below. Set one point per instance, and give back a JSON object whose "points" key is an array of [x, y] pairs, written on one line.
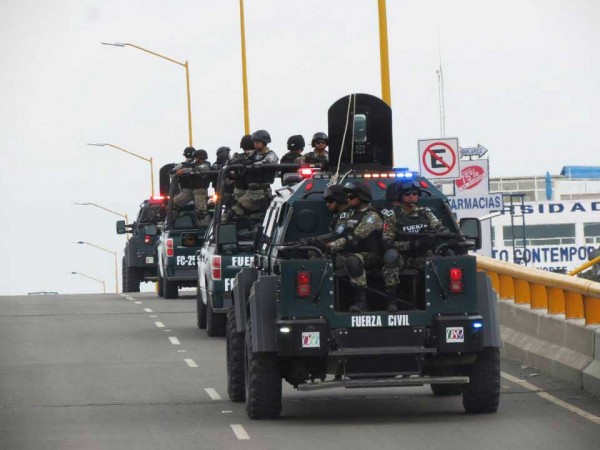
{"points": [[359, 300], [392, 299]]}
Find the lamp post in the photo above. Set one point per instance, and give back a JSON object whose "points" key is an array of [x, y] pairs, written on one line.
{"points": [[185, 65], [137, 156], [92, 278], [108, 210], [244, 76], [383, 54], [107, 251]]}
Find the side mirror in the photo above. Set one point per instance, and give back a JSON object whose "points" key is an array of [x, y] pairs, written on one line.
{"points": [[471, 229], [226, 233], [121, 227], [151, 229]]}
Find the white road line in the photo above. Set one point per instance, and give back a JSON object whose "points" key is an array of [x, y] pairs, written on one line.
{"points": [[168, 331], [239, 431], [214, 395], [138, 303], [159, 324], [190, 362], [153, 316], [174, 340], [226, 412], [552, 398], [181, 351], [148, 310]]}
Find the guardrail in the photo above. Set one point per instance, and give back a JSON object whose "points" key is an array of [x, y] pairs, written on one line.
{"points": [[576, 298]]}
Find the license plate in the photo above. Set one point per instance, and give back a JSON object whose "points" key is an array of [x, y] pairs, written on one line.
{"points": [[455, 335], [311, 339]]}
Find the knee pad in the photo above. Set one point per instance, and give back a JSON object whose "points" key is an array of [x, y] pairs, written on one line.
{"points": [[354, 265], [391, 257]]}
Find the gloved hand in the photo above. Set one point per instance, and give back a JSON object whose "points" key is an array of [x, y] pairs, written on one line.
{"points": [[181, 172], [316, 243]]}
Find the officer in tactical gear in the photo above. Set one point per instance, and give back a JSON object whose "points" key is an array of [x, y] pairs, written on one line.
{"points": [[194, 185], [319, 155], [222, 159], [406, 217], [295, 145], [255, 201], [337, 203], [240, 185], [360, 246]]}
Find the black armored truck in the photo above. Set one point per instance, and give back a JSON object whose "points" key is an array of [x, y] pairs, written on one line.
{"points": [[291, 317]]}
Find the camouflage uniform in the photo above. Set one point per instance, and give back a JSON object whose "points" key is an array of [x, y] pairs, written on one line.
{"points": [[316, 158], [289, 158], [256, 200], [401, 221], [362, 236], [194, 186]]}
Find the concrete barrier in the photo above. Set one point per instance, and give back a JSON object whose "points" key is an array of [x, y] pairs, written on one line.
{"points": [[591, 374]]}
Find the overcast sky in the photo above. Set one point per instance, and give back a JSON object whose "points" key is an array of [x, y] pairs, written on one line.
{"points": [[521, 78]]}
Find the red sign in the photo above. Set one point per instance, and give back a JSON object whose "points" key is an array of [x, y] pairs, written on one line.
{"points": [[470, 177], [439, 159]]}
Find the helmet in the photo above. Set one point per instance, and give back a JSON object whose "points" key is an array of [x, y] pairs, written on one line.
{"points": [[360, 189], [335, 193], [201, 154], [223, 152], [319, 136], [395, 190], [247, 143], [189, 152], [261, 135], [295, 142]]}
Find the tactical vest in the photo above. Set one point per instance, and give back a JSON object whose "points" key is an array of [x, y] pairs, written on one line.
{"points": [[410, 223], [338, 223], [199, 180], [261, 176], [290, 157], [372, 243]]}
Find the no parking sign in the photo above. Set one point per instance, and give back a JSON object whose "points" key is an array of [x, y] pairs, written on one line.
{"points": [[438, 158]]}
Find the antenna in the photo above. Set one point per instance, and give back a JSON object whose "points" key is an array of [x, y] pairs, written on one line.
{"points": [[440, 75]]}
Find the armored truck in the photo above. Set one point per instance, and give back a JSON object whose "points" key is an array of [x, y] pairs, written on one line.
{"points": [[291, 318]]}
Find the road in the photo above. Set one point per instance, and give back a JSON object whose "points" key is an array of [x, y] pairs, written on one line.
{"points": [[110, 372]]}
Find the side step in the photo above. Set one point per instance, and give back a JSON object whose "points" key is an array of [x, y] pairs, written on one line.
{"points": [[381, 382]]}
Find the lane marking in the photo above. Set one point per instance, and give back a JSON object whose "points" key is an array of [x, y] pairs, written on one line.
{"points": [[148, 310], [168, 331], [159, 324], [226, 412], [239, 431], [214, 395], [190, 362], [181, 351], [153, 316], [174, 340], [138, 303], [552, 398]]}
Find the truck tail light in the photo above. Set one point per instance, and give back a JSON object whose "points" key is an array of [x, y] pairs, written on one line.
{"points": [[306, 172], [216, 267], [170, 247], [456, 280], [303, 283], [147, 239]]}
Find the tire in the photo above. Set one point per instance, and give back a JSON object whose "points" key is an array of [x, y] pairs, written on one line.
{"points": [[132, 280], [482, 394], [263, 382], [160, 284], [236, 383], [170, 289], [216, 323], [200, 309], [444, 390]]}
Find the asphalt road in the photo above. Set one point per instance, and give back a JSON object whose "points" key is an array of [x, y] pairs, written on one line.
{"points": [[108, 372]]}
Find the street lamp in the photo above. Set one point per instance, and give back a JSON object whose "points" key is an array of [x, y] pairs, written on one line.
{"points": [[92, 278], [187, 77], [137, 156], [108, 210], [244, 76], [107, 251]]}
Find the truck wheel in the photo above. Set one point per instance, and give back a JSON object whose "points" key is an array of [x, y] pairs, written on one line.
{"points": [[263, 382], [160, 282], [132, 280], [170, 289], [482, 394], [200, 309], [216, 323], [443, 390], [236, 384]]}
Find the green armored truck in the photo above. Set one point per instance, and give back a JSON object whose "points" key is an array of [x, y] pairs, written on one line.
{"points": [[291, 318]]}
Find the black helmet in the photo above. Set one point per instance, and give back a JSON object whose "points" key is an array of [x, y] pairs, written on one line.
{"points": [[319, 136], [247, 143], [335, 193], [201, 154], [395, 190], [223, 152], [360, 189], [295, 142], [261, 135], [189, 152]]}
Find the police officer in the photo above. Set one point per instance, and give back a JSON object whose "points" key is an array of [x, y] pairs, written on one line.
{"points": [[337, 203], [194, 185], [295, 145], [240, 185], [222, 159], [319, 155], [361, 244], [405, 217], [256, 200]]}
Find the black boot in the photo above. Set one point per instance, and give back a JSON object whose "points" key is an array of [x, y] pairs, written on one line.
{"points": [[359, 300], [392, 299]]}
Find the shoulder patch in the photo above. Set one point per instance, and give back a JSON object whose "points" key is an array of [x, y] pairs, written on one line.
{"points": [[387, 212]]}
